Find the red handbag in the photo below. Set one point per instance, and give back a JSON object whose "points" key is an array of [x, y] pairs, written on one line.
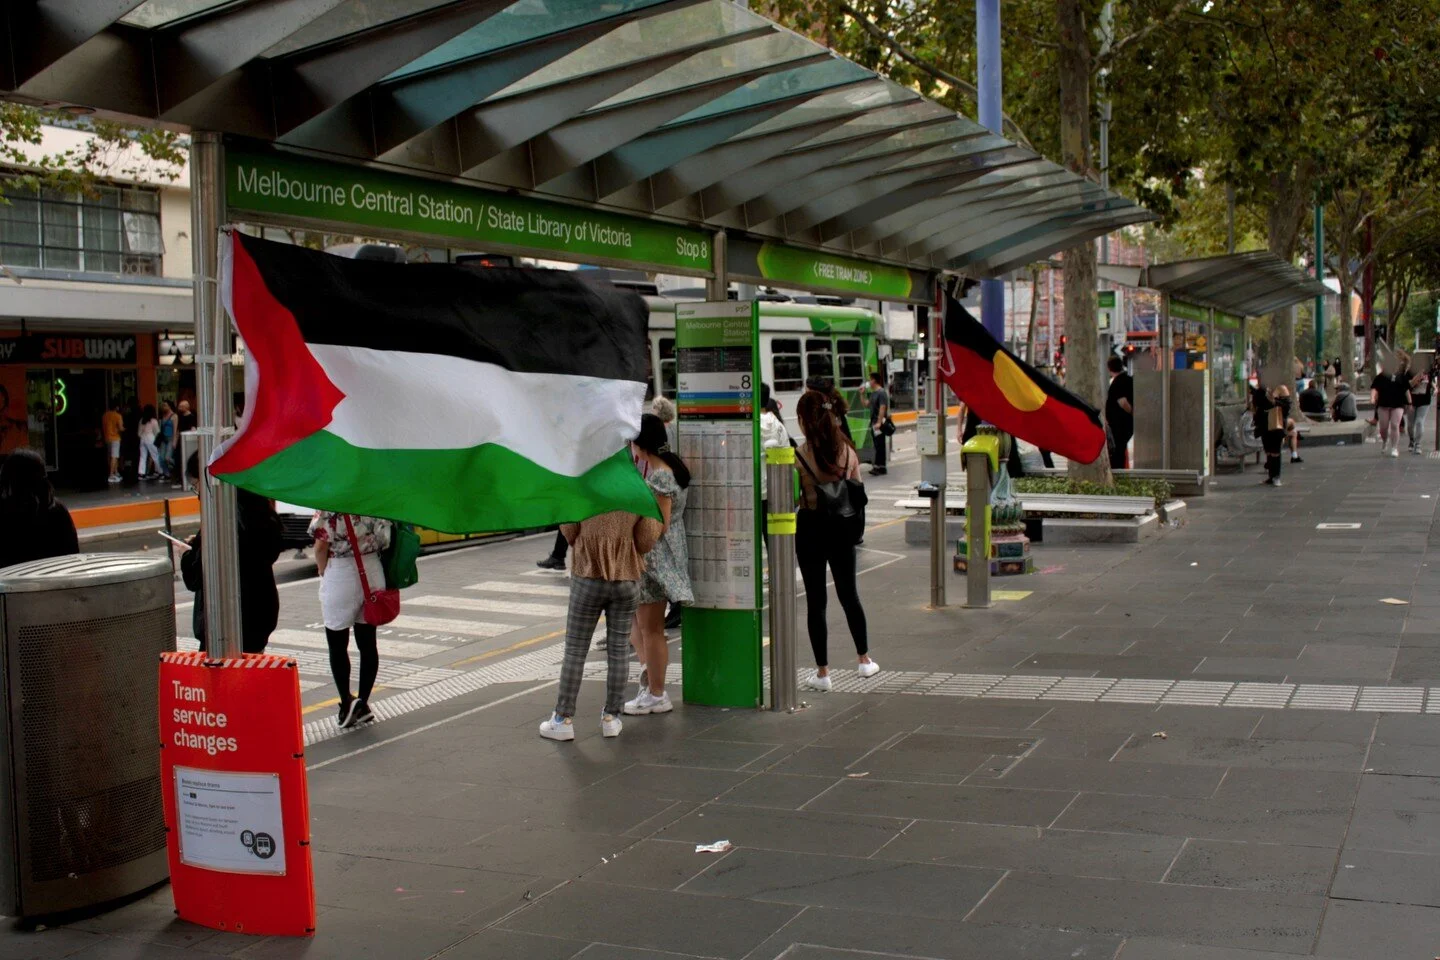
{"points": [[380, 606]]}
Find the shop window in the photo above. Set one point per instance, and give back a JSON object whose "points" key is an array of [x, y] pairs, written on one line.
{"points": [[105, 230], [668, 383], [852, 363], [819, 359], [785, 362]]}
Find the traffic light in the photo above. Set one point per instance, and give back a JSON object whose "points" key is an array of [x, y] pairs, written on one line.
{"points": [[1063, 340]]}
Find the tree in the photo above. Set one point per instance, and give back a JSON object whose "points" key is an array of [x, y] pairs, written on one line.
{"points": [[110, 149]]}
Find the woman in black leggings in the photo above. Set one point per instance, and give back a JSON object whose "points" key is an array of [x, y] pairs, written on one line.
{"points": [[821, 540], [338, 539]]}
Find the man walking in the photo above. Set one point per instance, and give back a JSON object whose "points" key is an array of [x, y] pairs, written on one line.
{"points": [[1120, 411], [112, 426], [879, 416]]}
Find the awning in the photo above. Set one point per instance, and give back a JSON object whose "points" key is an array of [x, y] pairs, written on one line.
{"points": [[695, 112], [1245, 284]]}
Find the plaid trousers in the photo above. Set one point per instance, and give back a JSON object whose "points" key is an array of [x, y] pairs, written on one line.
{"points": [[617, 599]]}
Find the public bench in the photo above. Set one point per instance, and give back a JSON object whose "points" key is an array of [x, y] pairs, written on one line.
{"points": [[1054, 518], [1185, 483]]}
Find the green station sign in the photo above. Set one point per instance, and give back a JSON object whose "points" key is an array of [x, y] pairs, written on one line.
{"points": [[812, 268], [1180, 310], [283, 185]]}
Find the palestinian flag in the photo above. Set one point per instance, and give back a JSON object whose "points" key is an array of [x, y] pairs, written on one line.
{"points": [[458, 399], [1006, 391]]}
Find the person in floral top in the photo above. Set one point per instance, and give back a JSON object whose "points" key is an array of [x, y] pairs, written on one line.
{"points": [[342, 601]]}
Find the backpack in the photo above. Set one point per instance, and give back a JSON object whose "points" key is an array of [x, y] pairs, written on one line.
{"points": [[842, 502]]}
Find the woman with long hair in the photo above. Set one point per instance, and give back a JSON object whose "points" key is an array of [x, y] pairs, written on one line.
{"points": [[151, 466], [1272, 436], [339, 539], [667, 566], [822, 539], [35, 525]]}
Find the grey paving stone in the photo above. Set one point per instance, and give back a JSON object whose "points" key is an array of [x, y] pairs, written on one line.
{"points": [[801, 831], [863, 932], [1303, 822], [1355, 929], [1417, 665], [669, 782], [653, 864], [781, 791], [1317, 725], [342, 934], [1253, 752], [969, 804], [114, 948], [1150, 948], [1230, 918], [1100, 776], [1405, 759], [414, 890], [1035, 850], [149, 919], [1266, 867], [931, 890], [652, 920], [956, 711], [1388, 877], [1397, 813], [48, 944], [1317, 788], [1402, 728], [1269, 668], [605, 951], [807, 952], [494, 944], [535, 850]]}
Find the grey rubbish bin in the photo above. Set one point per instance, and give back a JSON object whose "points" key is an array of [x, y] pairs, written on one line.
{"points": [[80, 815]]}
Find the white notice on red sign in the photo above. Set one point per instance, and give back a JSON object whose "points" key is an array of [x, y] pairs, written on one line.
{"points": [[230, 821]]}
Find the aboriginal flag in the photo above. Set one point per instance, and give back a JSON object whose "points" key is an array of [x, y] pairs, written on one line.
{"points": [[1004, 390]]}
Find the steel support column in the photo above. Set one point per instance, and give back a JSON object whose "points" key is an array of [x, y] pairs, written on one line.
{"points": [[987, 45], [718, 286], [1320, 298], [219, 546]]}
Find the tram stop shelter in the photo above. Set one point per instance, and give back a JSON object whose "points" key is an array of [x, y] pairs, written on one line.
{"points": [[680, 136], [1198, 364]]}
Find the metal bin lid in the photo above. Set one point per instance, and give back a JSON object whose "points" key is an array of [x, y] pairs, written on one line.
{"points": [[81, 570]]}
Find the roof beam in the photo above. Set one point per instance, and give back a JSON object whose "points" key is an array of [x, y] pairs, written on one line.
{"points": [[998, 217], [972, 202], [41, 32], [1058, 233]]}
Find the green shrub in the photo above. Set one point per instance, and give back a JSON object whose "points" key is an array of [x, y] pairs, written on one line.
{"points": [[1157, 490]]}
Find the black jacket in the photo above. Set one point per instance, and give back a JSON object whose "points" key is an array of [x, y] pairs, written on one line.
{"points": [[259, 549], [29, 536]]}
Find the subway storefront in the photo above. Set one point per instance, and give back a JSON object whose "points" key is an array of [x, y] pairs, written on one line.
{"points": [[56, 385]]}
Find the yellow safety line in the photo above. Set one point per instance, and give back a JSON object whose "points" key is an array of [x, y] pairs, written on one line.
{"points": [[504, 650]]}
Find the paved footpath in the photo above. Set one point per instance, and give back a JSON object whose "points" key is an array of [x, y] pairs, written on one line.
{"points": [[1221, 744]]}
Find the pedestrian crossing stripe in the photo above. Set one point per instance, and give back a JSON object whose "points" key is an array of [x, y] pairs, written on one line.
{"points": [[482, 605], [315, 640], [527, 589], [469, 628]]}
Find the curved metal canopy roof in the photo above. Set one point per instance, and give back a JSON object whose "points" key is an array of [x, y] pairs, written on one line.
{"points": [[692, 110], [1249, 284]]}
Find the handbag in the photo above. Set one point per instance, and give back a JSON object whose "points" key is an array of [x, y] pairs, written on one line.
{"points": [[399, 558], [887, 427], [1275, 419], [379, 606]]}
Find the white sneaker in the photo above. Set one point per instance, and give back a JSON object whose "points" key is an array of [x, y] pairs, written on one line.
{"points": [[867, 669], [817, 682], [558, 728], [114, 478], [610, 725], [1394, 451], [648, 702]]}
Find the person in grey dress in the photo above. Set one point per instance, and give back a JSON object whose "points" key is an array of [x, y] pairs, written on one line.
{"points": [[667, 567]]}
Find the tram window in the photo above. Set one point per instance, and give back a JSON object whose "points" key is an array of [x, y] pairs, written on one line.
{"points": [[668, 382], [819, 359], [852, 364], [785, 359]]}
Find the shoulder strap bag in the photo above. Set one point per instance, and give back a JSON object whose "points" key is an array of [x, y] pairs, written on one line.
{"points": [[380, 606], [841, 501]]}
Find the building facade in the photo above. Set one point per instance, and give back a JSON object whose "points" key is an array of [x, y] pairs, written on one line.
{"points": [[95, 306]]}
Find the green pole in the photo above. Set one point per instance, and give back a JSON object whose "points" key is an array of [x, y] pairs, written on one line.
{"points": [[1320, 300]]}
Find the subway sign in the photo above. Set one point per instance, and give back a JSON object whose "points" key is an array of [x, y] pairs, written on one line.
{"points": [[68, 349]]}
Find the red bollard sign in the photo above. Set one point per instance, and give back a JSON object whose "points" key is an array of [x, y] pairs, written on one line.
{"points": [[237, 814]]}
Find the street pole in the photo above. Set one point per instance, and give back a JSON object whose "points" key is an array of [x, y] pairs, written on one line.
{"points": [[931, 443], [219, 546], [987, 42], [780, 527], [718, 286], [1320, 276], [1107, 35], [1167, 360]]}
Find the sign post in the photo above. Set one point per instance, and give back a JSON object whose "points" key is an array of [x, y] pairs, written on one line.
{"points": [[232, 777], [719, 434]]}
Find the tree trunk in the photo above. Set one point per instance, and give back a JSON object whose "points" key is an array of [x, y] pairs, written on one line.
{"points": [[1082, 352], [1347, 335], [1289, 202], [1034, 309]]}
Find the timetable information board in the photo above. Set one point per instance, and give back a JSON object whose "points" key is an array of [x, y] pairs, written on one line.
{"points": [[718, 397]]}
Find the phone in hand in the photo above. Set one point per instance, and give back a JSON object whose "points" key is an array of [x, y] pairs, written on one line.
{"points": [[175, 540]]}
